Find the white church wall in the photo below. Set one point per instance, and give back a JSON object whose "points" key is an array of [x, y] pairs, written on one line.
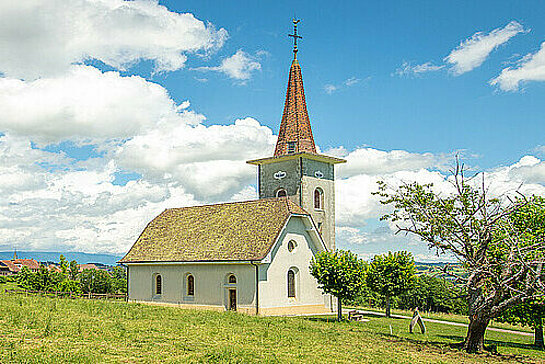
{"points": [[273, 284], [211, 285], [211, 280]]}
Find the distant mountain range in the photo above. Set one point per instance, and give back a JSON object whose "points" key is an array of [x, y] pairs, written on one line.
{"points": [[111, 259], [82, 258]]}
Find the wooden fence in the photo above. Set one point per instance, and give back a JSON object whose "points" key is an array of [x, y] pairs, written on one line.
{"points": [[68, 294]]}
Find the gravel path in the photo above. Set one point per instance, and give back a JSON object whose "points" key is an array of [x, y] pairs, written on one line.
{"points": [[345, 311]]}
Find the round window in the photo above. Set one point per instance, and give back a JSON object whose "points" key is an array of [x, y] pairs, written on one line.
{"points": [[291, 245]]}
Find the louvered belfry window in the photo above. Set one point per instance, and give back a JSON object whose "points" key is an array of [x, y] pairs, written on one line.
{"points": [[291, 147]]}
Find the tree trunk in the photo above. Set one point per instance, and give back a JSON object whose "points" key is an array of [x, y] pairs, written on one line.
{"points": [[388, 314], [474, 341], [339, 310], [538, 336]]}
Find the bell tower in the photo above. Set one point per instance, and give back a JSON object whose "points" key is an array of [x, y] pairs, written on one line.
{"points": [[296, 170]]}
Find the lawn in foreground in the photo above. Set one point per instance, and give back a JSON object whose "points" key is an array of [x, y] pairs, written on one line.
{"points": [[38, 329]]}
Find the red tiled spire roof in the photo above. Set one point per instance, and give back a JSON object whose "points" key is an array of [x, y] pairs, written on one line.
{"points": [[295, 134]]}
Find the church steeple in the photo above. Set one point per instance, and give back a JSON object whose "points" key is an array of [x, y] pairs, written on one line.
{"points": [[296, 171], [295, 134]]}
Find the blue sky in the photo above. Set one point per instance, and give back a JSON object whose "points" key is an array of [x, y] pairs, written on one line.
{"points": [[113, 111], [369, 41]]}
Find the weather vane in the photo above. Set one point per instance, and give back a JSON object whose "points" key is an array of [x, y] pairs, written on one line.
{"points": [[295, 36]]}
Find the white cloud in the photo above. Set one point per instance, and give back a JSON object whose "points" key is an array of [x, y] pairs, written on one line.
{"points": [[85, 210], [349, 82], [408, 69], [43, 38], [73, 209], [207, 161], [83, 103], [472, 52], [530, 68], [329, 88], [371, 161], [240, 66]]}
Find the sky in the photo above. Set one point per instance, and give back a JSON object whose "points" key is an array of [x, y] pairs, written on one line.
{"points": [[112, 111]]}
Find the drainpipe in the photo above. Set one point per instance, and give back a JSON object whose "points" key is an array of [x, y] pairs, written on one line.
{"points": [[256, 287], [127, 297]]}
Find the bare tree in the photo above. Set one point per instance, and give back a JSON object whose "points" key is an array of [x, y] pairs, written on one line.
{"points": [[502, 265]]}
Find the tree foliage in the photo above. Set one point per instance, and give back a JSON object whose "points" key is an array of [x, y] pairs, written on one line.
{"points": [[391, 275], [340, 273], [529, 221], [529, 313], [503, 265], [96, 281], [434, 294], [69, 279]]}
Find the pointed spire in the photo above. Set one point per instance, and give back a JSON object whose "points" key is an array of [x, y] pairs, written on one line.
{"points": [[295, 134]]}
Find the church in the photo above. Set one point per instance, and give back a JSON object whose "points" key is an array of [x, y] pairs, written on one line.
{"points": [[250, 256]]}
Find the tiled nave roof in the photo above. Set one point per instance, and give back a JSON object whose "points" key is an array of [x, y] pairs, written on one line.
{"points": [[221, 232]]}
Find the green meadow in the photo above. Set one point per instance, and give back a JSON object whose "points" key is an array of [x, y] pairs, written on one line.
{"points": [[51, 330]]}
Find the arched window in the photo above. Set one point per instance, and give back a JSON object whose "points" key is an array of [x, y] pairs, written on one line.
{"points": [[291, 283], [158, 284], [190, 285], [232, 279], [281, 193], [291, 245], [318, 199]]}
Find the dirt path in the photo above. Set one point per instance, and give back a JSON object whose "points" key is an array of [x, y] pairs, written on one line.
{"points": [[345, 311]]}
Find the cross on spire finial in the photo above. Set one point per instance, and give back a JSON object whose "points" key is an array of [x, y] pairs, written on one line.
{"points": [[295, 36]]}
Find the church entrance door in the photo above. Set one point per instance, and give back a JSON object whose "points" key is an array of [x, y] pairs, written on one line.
{"points": [[233, 299]]}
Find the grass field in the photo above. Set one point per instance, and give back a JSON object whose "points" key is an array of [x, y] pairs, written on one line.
{"points": [[37, 330]]}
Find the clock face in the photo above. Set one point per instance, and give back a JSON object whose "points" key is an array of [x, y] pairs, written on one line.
{"points": [[318, 174], [279, 175]]}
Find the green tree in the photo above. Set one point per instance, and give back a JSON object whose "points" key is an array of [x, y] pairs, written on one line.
{"points": [[64, 265], [502, 265], [42, 280], [527, 314], [340, 273], [529, 221], [119, 279], [434, 294], [69, 285], [391, 275], [96, 281], [73, 271]]}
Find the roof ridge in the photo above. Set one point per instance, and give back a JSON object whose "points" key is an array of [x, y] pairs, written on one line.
{"points": [[227, 203]]}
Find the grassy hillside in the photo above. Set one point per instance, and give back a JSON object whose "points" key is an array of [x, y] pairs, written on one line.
{"points": [[36, 329]]}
